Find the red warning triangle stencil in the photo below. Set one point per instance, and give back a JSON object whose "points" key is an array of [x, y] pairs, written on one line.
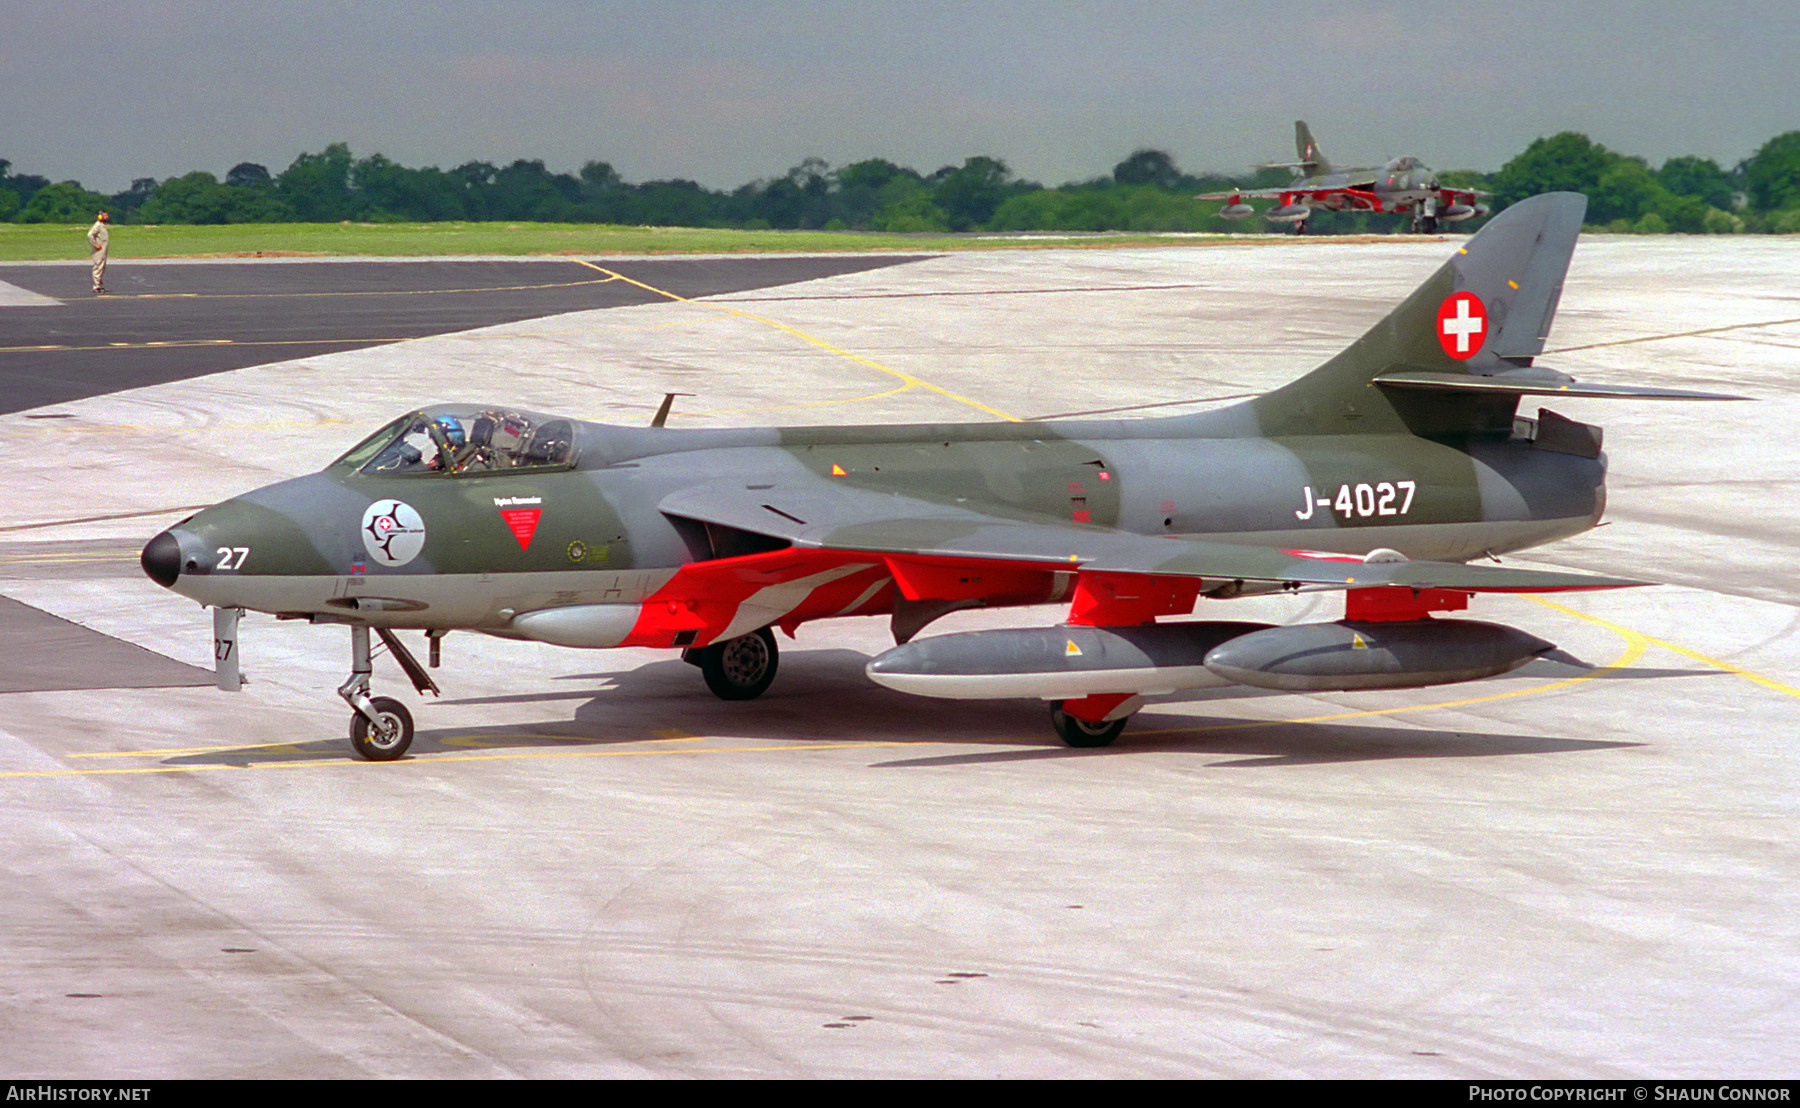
{"points": [[523, 523]]}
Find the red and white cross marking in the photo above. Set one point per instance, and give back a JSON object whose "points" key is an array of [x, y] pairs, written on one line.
{"points": [[1462, 325]]}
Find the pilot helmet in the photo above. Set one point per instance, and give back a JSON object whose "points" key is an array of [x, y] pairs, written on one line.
{"points": [[453, 432]]}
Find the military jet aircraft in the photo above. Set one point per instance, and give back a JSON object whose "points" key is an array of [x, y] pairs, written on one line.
{"points": [[1402, 185], [1378, 474]]}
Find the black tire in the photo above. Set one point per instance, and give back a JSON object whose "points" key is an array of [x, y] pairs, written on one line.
{"points": [[390, 740], [743, 668], [1080, 733]]}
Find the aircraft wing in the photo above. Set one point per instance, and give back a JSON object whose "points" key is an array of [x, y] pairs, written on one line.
{"points": [[844, 519], [1352, 198], [1265, 194]]}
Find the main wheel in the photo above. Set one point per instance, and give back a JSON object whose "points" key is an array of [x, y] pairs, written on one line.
{"points": [[742, 668], [1080, 733], [386, 740]]}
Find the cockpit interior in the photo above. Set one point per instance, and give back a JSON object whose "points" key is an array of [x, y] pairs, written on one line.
{"points": [[465, 440]]}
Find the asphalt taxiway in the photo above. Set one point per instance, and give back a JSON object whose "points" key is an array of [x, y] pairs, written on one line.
{"points": [[172, 320], [590, 867]]}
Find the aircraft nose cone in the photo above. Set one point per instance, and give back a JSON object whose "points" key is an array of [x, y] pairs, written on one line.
{"points": [[162, 559]]}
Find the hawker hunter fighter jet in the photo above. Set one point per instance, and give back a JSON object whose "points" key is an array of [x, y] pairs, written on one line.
{"points": [[1376, 475], [1402, 185]]}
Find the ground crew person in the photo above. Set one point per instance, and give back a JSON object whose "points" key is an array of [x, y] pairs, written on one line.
{"points": [[97, 239]]}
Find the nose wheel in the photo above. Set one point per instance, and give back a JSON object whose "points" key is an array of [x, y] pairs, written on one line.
{"points": [[1425, 218], [388, 736], [381, 728]]}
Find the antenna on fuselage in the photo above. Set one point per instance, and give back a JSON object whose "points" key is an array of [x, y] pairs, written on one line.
{"points": [[662, 413]]}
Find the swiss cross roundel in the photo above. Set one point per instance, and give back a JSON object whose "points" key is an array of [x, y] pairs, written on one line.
{"points": [[1462, 325]]}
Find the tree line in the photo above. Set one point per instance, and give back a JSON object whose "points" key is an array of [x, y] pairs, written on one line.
{"points": [[1145, 192]]}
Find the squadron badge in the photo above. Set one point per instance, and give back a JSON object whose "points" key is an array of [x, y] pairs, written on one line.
{"points": [[392, 532]]}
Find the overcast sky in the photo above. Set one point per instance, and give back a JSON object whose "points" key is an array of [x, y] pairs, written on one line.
{"points": [[724, 93]]}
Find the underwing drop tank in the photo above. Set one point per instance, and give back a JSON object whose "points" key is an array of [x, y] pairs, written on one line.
{"points": [[1068, 662], [1347, 656], [1288, 213], [1058, 663], [1238, 210]]}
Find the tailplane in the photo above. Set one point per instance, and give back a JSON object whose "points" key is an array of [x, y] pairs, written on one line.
{"points": [[1453, 359], [1312, 161], [1456, 354]]}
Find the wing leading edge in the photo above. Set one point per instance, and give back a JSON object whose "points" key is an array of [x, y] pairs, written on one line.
{"points": [[846, 520]]}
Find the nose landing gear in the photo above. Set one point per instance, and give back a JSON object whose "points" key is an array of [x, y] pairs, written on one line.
{"points": [[381, 729]]}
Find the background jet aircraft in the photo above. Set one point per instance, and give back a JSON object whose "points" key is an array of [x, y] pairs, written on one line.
{"points": [[1377, 474], [1402, 185]]}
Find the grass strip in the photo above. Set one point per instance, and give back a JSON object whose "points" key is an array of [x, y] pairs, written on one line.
{"points": [[56, 242]]}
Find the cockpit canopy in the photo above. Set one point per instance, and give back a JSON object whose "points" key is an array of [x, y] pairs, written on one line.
{"points": [[465, 440]]}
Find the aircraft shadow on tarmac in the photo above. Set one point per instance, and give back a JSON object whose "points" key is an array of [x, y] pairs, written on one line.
{"points": [[822, 698], [1259, 744]]}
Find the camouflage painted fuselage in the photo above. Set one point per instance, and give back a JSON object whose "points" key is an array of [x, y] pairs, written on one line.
{"points": [[493, 545]]}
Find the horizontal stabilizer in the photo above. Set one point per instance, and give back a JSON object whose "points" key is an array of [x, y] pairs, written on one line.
{"points": [[1536, 386]]}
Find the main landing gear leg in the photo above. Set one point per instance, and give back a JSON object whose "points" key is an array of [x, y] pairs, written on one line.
{"points": [[380, 728]]}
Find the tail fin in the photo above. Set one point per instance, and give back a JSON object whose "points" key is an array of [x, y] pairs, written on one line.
{"points": [[1455, 356], [1312, 159]]}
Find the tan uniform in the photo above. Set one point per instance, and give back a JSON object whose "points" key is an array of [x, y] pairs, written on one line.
{"points": [[98, 236]]}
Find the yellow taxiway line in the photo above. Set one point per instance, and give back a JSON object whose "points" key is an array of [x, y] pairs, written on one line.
{"points": [[1617, 629], [908, 379]]}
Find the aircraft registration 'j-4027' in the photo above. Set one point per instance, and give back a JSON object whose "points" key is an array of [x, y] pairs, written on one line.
{"points": [[1378, 474]]}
